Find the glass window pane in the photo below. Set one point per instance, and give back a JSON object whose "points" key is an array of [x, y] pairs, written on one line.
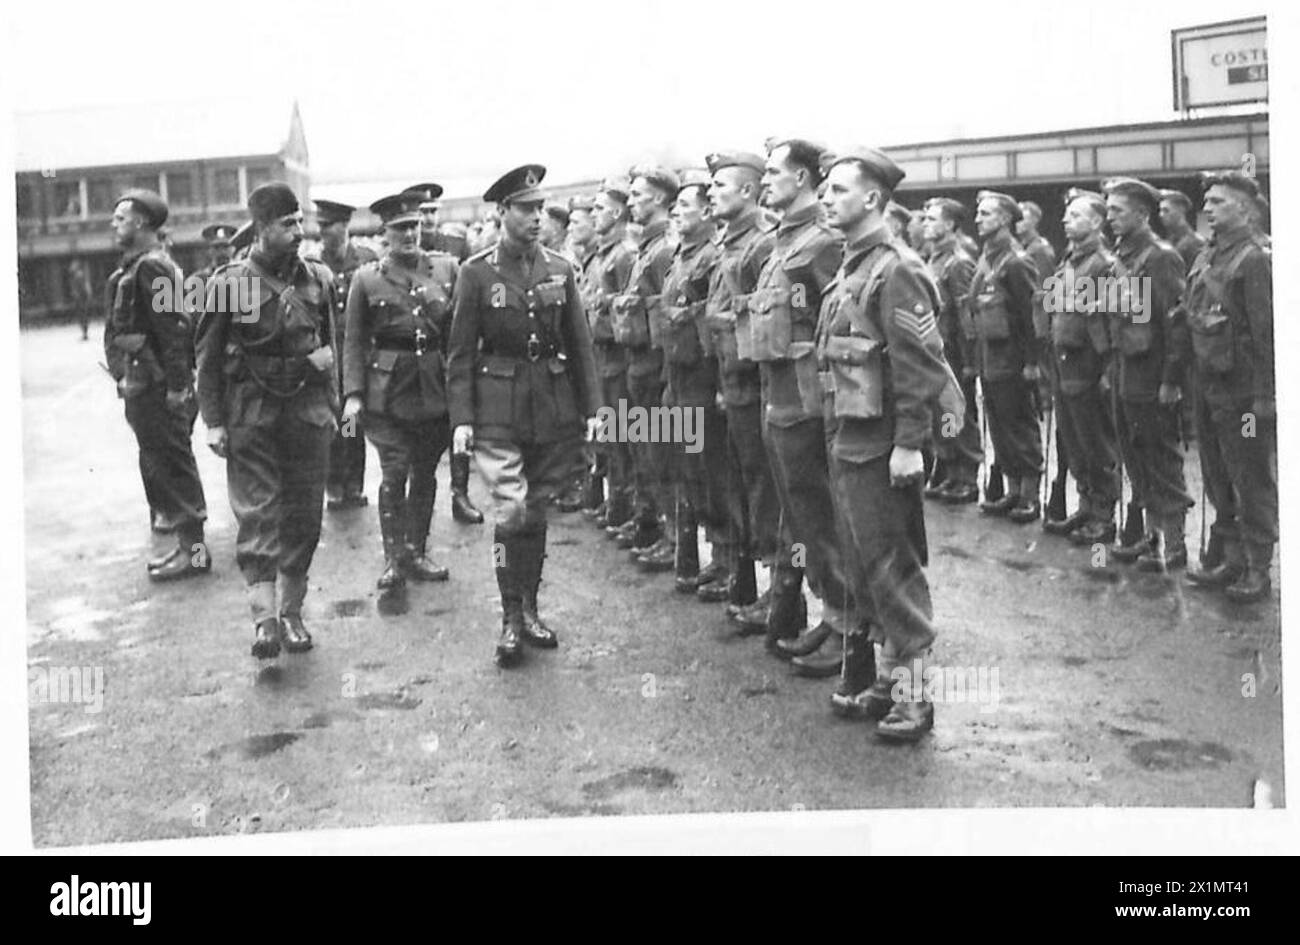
{"points": [[100, 195], [67, 198], [180, 189], [257, 176], [226, 186]]}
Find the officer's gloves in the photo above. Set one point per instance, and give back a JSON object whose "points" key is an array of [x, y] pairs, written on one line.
{"points": [[322, 359], [462, 439]]}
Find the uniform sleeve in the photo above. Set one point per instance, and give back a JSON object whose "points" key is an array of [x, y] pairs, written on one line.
{"points": [[462, 349], [958, 279], [656, 271], [619, 271], [755, 258], [826, 263], [579, 347], [169, 329], [918, 371], [1257, 287], [1167, 284], [444, 330], [355, 336], [1018, 278], [210, 345]]}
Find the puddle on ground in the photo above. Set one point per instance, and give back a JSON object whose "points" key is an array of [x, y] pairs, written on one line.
{"points": [[642, 778], [328, 717], [373, 665], [1019, 564], [1176, 754], [393, 602], [270, 676], [354, 607], [955, 551], [253, 747], [387, 700], [769, 689]]}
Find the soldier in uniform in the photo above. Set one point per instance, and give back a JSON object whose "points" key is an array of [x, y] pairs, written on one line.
{"points": [[432, 237], [242, 241], [398, 320], [345, 488], [520, 380], [1229, 304], [1080, 345], [555, 228], [217, 236], [743, 247], [777, 331], [1035, 245], [587, 490], [633, 313], [147, 348], [433, 241], [1178, 217], [1000, 321], [958, 458], [1150, 361], [881, 354], [699, 477], [268, 394], [604, 277], [899, 218]]}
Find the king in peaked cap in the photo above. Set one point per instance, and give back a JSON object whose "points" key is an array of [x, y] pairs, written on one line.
{"points": [[1005, 203], [876, 163], [521, 185], [330, 211], [148, 204], [396, 209]]}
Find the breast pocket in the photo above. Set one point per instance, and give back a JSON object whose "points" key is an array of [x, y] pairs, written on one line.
{"points": [[770, 324]]}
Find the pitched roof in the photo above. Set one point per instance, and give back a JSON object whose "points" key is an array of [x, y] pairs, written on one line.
{"points": [[152, 134]]}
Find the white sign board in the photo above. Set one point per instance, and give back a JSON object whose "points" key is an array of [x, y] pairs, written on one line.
{"points": [[1221, 64]]}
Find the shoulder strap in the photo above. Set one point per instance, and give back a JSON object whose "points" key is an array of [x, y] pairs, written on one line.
{"points": [[1239, 257]]}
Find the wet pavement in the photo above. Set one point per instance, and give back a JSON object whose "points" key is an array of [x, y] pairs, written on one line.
{"points": [[1113, 688]]}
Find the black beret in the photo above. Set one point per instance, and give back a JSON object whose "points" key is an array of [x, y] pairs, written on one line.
{"points": [[518, 185], [329, 211], [271, 201], [243, 236], [398, 208], [429, 191], [148, 204], [876, 164], [218, 233], [1135, 189], [1004, 202], [1235, 180], [558, 212], [720, 159]]}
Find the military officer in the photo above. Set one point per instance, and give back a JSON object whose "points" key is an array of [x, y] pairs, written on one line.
{"points": [[1080, 343], [1000, 321], [398, 320], [777, 331], [744, 244], [1178, 217], [217, 236], [604, 277], [520, 380], [633, 314], [1229, 304], [148, 350], [881, 355], [959, 457], [432, 240], [1147, 376], [346, 485], [698, 468], [268, 395]]}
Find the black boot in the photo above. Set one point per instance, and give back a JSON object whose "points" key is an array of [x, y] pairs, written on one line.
{"points": [[1253, 583], [392, 527], [509, 650], [462, 510], [593, 490], [788, 614], [1056, 504], [744, 584], [995, 489], [419, 515], [1135, 528], [861, 694], [532, 551]]}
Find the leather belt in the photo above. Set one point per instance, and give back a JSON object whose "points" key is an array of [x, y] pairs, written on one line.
{"points": [[534, 350], [418, 342]]}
